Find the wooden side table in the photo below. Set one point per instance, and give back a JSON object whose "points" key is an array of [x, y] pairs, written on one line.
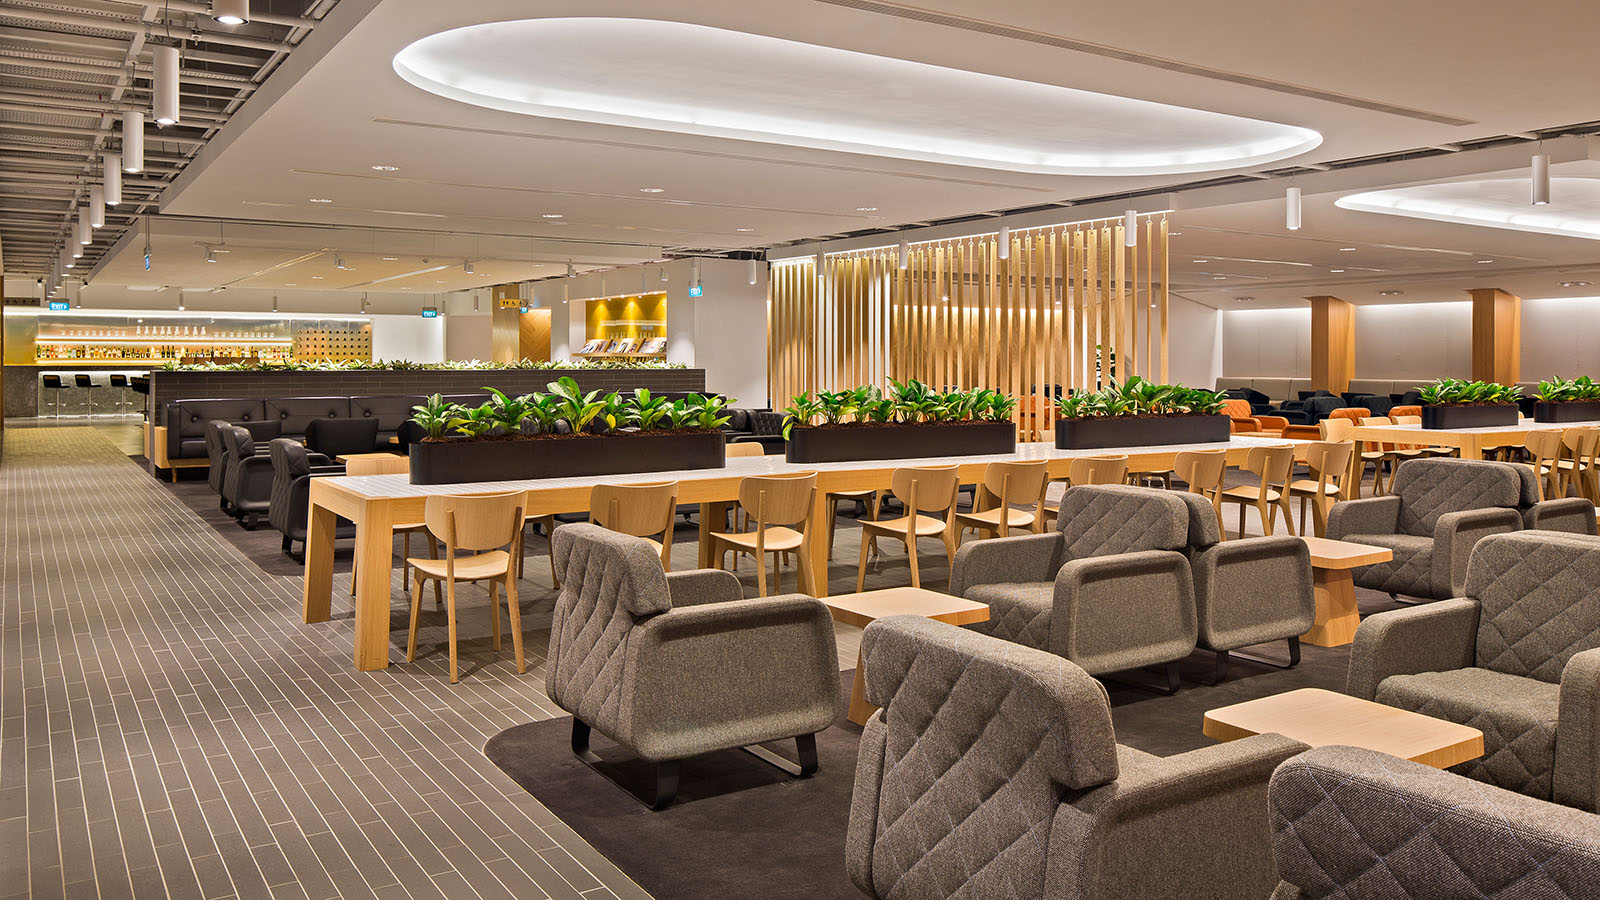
{"points": [[1331, 562], [864, 608], [1322, 718]]}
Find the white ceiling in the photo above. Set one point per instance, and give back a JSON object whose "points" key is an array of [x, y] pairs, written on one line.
{"points": [[1371, 77]]}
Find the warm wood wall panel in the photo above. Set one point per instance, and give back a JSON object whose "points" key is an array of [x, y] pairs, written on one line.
{"points": [[961, 316]]}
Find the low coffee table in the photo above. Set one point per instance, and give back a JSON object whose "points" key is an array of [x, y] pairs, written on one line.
{"points": [[1335, 590], [863, 608], [1322, 718]]}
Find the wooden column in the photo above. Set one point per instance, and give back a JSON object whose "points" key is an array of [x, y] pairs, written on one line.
{"points": [[1496, 336], [1333, 344], [505, 335]]}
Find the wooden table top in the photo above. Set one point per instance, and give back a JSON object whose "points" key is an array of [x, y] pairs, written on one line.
{"points": [[346, 457], [861, 609], [1330, 554], [1415, 434], [1325, 718]]}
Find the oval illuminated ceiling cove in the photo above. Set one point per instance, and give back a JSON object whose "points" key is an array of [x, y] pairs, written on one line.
{"points": [[694, 79], [1574, 210]]}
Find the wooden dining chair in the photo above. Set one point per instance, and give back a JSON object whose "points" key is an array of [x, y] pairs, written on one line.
{"points": [[489, 527], [1412, 415], [1273, 466], [1006, 487], [1338, 428], [1544, 448], [926, 490], [1578, 462], [1329, 463], [395, 464], [1108, 469], [641, 510], [1392, 454], [1203, 471], [779, 507], [743, 449]]}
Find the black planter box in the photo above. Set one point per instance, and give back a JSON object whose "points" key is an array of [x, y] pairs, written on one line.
{"points": [[455, 462], [911, 441], [1569, 411], [1140, 431], [1469, 416]]}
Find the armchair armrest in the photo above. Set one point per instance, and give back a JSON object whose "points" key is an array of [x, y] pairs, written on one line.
{"points": [[701, 586], [1272, 424], [1105, 837], [1577, 775], [1570, 514], [721, 675], [1113, 613], [1007, 560], [1437, 637], [1453, 539], [1372, 515], [1252, 591], [1244, 424]]}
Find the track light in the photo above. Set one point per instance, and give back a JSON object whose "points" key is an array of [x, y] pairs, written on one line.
{"points": [[85, 232], [466, 266], [570, 270], [211, 255], [164, 84], [133, 142], [474, 301], [1005, 242], [819, 266], [230, 12], [694, 273], [664, 276], [97, 206], [111, 174], [338, 263], [905, 254], [1291, 209], [1541, 179], [274, 302], [754, 272], [1130, 228]]}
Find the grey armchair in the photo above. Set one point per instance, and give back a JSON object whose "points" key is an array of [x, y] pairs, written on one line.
{"points": [[1574, 515], [247, 476], [216, 456], [1355, 823], [1518, 658], [1108, 589], [293, 467], [992, 771], [673, 666], [1437, 509]]}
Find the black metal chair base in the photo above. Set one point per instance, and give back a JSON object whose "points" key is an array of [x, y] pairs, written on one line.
{"points": [[1174, 681], [668, 771], [1224, 655]]}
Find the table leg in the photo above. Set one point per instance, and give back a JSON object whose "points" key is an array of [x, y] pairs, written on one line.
{"points": [[712, 517], [815, 559], [1471, 447], [317, 593], [374, 559], [860, 709], [1337, 616]]}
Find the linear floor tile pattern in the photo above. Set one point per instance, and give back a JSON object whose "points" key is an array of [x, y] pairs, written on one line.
{"points": [[169, 728]]}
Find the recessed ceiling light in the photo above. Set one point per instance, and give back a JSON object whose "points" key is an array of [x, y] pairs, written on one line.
{"points": [[1219, 278], [866, 209], [316, 278], [550, 215], [390, 258], [1336, 271], [319, 200], [1174, 233], [1346, 249], [1573, 284], [385, 168], [289, 283], [441, 281], [651, 190], [1244, 299], [1390, 293], [1202, 260], [744, 229], [1484, 261]]}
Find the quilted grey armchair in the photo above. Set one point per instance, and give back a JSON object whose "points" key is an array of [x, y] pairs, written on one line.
{"points": [[1574, 515], [1355, 823], [1437, 509], [992, 771], [1518, 656], [673, 666], [1110, 589]]}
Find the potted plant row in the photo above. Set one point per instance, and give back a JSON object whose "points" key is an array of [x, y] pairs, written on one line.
{"points": [[911, 420], [1140, 413], [565, 433], [1456, 403], [1568, 400]]}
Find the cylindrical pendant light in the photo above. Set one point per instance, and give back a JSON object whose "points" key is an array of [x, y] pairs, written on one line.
{"points": [[231, 12], [664, 276], [819, 266], [133, 141], [97, 206], [1005, 242], [111, 166], [755, 272], [905, 254], [1541, 179], [67, 259], [1291, 209], [694, 272], [1130, 228], [85, 232], [164, 84], [73, 247]]}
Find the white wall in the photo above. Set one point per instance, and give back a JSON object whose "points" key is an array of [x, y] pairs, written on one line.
{"points": [[1194, 344], [408, 337], [1266, 343], [1414, 340], [1558, 338]]}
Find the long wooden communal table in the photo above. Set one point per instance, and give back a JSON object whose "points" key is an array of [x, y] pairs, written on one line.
{"points": [[1471, 441], [376, 502]]}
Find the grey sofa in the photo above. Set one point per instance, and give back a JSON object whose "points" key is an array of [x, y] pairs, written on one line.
{"points": [[673, 666], [1517, 658], [285, 416], [992, 771], [1352, 823], [1110, 589], [1437, 509]]}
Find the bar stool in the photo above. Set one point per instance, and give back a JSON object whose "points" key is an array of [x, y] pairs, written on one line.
{"points": [[85, 382], [120, 383], [141, 386], [52, 383]]}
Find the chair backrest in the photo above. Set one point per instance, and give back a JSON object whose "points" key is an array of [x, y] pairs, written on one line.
{"points": [[778, 499], [1582, 443], [1107, 519], [1019, 483], [119, 381], [237, 443], [1271, 464], [1544, 446], [1098, 470], [642, 510], [336, 437], [931, 489], [1201, 470], [1337, 428], [1396, 412], [1329, 460], [1013, 726], [82, 380], [388, 464], [216, 452], [1236, 408], [1429, 488], [1539, 601], [475, 522], [51, 382], [1348, 822], [744, 448], [289, 462]]}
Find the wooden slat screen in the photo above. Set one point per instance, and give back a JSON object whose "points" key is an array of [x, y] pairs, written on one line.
{"points": [[960, 316]]}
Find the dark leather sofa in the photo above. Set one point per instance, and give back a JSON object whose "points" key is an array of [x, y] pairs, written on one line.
{"points": [[185, 419]]}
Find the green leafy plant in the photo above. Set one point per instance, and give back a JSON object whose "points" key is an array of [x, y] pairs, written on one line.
{"points": [[647, 411], [1459, 392], [706, 411], [435, 415], [835, 406], [613, 411], [474, 421], [803, 409], [1139, 397], [508, 412], [378, 365], [577, 408], [1563, 390]]}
